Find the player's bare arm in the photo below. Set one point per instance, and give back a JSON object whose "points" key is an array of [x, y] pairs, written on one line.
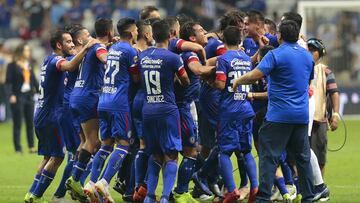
{"points": [[74, 63], [249, 78]]}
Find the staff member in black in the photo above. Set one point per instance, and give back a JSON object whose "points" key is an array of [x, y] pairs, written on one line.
{"points": [[22, 85]]}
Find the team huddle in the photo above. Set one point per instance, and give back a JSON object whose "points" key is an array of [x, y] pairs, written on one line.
{"points": [[159, 88]]}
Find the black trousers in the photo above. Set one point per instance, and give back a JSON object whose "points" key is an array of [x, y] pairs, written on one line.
{"points": [[23, 108], [274, 138]]}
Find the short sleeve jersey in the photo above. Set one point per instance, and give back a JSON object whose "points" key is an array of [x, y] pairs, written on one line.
{"points": [[91, 73], [229, 67], [251, 47], [185, 95], [157, 70], [289, 68], [175, 45], [51, 91], [121, 63]]}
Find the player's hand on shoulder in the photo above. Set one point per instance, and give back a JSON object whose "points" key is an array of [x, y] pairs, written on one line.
{"points": [[91, 43], [250, 96], [263, 41]]}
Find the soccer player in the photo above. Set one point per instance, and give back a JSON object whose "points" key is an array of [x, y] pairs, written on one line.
{"points": [[84, 100], [47, 126], [114, 108], [193, 32], [177, 45], [149, 12], [287, 116], [161, 120], [70, 126], [270, 26], [235, 112], [325, 85], [144, 40]]}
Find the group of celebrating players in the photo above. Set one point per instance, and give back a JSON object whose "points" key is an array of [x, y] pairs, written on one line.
{"points": [[162, 86]]}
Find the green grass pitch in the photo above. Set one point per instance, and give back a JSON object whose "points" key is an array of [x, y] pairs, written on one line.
{"points": [[342, 171]]}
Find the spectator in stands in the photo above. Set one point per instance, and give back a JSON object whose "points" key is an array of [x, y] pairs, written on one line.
{"points": [[75, 13], [5, 17], [36, 18], [22, 85]]}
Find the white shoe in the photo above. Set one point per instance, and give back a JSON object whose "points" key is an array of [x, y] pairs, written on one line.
{"points": [[276, 196], [292, 191], [60, 200], [103, 188], [89, 190]]}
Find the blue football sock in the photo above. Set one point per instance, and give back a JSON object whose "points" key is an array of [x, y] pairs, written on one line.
{"points": [[86, 172], [115, 162], [226, 171], [99, 161], [242, 170], [285, 168], [210, 164], [186, 170], [251, 170], [35, 182], [131, 184], [280, 184], [61, 190], [296, 183], [169, 177], [141, 163], [81, 164], [153, 176], [44, 182]]}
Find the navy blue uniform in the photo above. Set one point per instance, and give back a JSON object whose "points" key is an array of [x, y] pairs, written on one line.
{"points": [[160, 114], [46, 119], [114, 108], [235, 112], [85, 95]]}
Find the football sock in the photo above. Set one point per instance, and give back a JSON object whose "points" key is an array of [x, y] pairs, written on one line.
{"points": [[80, 166], [115, 162], [99, 161], [153, 176], [280, 184], [226, 171], [141, 164], [242, 170], [87, 171], [318, 179], [186, 170], [44, 182], [61, 190], [35, 182], [210, 165], [169, 177], [251, 170]]}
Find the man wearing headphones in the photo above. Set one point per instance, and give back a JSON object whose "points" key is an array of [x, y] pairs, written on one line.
{"points": [[325, 91]]}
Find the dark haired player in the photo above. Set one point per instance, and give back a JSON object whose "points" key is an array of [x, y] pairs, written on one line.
{"points": [[161, 120], [47, 126]]}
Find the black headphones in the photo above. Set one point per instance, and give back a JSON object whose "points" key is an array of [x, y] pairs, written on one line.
{"points": [[318, 45]]}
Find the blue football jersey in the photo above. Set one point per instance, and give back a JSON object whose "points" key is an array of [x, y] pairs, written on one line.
{"points": [[91, 74], [210, 97], [185, 95], [70, 79], [158, 67], [121, 62], [175, 45], [251, 47], [229, 67], [51, 91]]}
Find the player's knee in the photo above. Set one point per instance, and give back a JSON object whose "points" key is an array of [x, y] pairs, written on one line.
{"points": [[142, 144], [108, 142], [122, 142], [190, 152]]}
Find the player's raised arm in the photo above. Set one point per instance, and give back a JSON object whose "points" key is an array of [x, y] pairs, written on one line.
{"points": [[74, 63]]}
